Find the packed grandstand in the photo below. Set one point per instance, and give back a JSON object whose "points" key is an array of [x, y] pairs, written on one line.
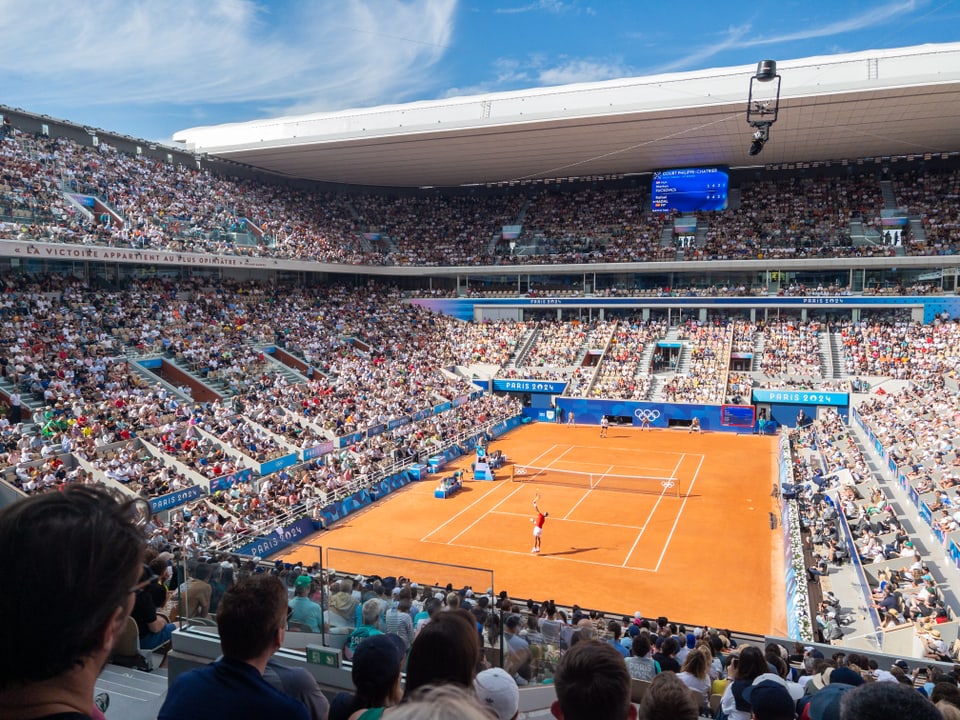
{"points": [[274, 397]]}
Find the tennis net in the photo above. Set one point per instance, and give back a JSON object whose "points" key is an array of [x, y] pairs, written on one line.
{"points": [[596, 481]]}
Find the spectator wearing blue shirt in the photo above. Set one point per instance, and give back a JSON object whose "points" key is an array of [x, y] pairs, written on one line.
{"points": [[252, 621], [304, 610]]}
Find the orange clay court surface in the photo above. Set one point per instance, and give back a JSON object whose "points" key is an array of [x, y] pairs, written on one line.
{"points": [[706, 557]]}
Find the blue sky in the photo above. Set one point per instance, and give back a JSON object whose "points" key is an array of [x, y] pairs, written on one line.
{"points": [[148, 68]]}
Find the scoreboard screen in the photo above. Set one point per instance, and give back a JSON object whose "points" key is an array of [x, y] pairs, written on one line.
{"points": [[690, 189], [737, 415]]}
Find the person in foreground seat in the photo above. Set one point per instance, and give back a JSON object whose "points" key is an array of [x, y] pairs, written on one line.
{"points": [[83, 545], [592, 682], [252, 620]]}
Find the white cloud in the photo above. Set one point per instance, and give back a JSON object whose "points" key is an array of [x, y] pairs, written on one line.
{"points": [[739, 38], [317, 55], [876, 16], [732, 38], [581, 70], [550, 6], [537, 71]]}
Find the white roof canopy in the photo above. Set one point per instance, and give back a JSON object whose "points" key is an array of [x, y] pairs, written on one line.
{"points": [[903, 101]]}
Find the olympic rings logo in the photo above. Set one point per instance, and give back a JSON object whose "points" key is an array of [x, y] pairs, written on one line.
{"points": [[519, 471], [667, 484], [648, 414]]}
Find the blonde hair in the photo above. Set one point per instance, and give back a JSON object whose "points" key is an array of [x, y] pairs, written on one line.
{"points": [[696, 663], [948, 710], [440, 702]]}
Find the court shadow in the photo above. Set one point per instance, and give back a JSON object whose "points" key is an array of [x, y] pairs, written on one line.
{"points": [[571, 551]]}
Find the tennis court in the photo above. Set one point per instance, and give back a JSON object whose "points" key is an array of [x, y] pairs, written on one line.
{"points": [[664, 522]]}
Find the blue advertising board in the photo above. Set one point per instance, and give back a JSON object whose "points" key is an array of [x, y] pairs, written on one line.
{"points": [[351, 439], [531, 386], [225, 482], [174, 499], [658, 415], [315, 451], [801, 397], [279, 463], [280, 539], [398, 422]]}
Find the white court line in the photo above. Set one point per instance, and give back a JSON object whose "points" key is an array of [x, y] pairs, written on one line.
{"points": [[478, 500], [679, 513], [484, 515], [583, 522], [585, 495], [644, 528], [547, 556], [673, 475], [519, 487], [629, 449]]}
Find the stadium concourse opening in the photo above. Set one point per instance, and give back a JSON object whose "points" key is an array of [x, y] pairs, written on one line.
{"points": [[619, 549]]}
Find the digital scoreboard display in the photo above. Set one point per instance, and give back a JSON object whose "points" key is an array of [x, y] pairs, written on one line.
{"points": [[690, 189]]}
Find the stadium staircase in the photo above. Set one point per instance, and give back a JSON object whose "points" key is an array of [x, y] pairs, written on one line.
{"points": [[827, 367], [917, 232], [758, 346], [523, 349], [28, 402], [733, 199], [133, 362], [862, 235], [656, 387], [666, 236], [215, 384], [683, 362], [700, 239], [643, 365], [836, 354], [889, 196], [292, 376]]}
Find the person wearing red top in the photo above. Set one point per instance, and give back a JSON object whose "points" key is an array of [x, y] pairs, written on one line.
{"points": [[537, 524]]}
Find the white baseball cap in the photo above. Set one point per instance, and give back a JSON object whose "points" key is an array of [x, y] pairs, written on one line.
{"points": [[498, 691]]}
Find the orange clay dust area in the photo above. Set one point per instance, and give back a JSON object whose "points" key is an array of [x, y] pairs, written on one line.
{"points": [[610, 542]]}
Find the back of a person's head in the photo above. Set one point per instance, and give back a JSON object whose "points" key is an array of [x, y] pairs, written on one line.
{"points": [[376, 666], [948, 710], [82, 541], [750, 663], [446, 650], [883, 700], [667, 699], [640, 645], [696, 663], [592, 682], [249, 615], [441, 702], [946, 689], [371, 611]]}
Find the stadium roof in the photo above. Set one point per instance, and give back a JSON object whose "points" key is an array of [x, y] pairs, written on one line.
{"points": [[899, 102]]}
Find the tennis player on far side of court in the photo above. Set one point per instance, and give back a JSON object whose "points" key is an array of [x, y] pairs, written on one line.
{"points": [[537, 524]]}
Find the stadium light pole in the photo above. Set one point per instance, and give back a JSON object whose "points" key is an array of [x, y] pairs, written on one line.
{"points": [[763, 103]]}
